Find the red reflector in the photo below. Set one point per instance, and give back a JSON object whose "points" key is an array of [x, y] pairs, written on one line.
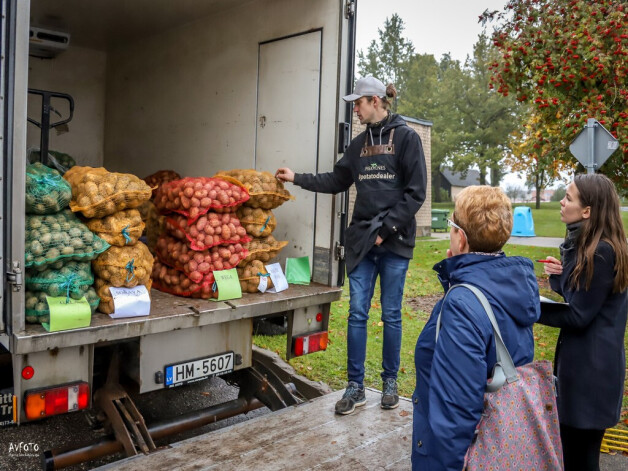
{"points": [[28, 372], [298, 346], [319, 317], [311, 343], [58, 400]]}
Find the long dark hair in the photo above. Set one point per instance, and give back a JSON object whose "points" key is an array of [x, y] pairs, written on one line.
{"points": [[604, 223]]}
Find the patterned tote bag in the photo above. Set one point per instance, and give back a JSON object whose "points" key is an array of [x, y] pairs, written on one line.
{"points": [[519, 427]]}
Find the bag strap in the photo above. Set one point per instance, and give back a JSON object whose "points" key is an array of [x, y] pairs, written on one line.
{"points": [[504, 370]]}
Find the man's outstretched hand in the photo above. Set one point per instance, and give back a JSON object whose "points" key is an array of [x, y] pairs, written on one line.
{"points": [[284, 174]]}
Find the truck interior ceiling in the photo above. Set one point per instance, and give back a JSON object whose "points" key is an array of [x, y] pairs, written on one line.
{"points": [[83, 49]]}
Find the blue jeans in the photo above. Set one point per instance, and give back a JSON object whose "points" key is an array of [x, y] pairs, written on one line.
{"points": [[391, 269]]}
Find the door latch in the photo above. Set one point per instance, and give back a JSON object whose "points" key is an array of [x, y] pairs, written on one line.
{"points": [[340, 251], [14, 277]]}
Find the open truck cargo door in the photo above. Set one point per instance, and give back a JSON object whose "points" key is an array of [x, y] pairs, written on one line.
{"points": [[11, 254], [288, 129], [3, 152]]}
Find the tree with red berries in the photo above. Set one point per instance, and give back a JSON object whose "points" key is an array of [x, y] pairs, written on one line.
{"points": [[568, 59]]}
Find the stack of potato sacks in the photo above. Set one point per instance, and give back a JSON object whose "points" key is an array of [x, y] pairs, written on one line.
{"points": [[266, 193], [58, 246], [108, 201], [202, 235]]}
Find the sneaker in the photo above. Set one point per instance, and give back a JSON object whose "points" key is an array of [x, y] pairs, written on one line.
{"points": [[390, 398], [353, 397]]}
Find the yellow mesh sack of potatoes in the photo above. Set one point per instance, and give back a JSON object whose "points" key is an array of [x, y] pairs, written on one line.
{"points": [[122, 228], [125, 266], [251, 274], [263, 249], [97, 192], [257, 222], [264, 189]]}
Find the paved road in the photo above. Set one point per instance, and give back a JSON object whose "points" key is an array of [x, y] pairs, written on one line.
{"points": [[533, 241]]}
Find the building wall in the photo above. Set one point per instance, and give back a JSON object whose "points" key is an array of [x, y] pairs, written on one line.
{"points": [[454, 192], [424, 216]]}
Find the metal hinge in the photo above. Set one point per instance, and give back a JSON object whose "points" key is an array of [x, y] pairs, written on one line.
{"points": [[15, 277], [350, 9], [340, 251]]}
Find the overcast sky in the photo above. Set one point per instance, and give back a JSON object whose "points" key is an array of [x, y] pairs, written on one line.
{"points": [[434, 27]]}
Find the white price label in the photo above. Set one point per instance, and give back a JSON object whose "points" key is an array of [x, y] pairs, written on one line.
{"points": [[279, 279], [263, 284], [130, 302]]}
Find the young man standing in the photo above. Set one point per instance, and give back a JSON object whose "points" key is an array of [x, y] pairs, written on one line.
{"points": [[387, 165]]}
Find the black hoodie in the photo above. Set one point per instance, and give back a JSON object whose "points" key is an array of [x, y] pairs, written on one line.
{"points": [[390, 189]]}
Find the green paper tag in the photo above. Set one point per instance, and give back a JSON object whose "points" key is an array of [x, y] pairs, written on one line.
{"points": [[298, 270], [228, 284], [67, 314]]}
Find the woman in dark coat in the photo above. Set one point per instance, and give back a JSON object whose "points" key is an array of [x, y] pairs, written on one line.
{"points": [[592, 278]]}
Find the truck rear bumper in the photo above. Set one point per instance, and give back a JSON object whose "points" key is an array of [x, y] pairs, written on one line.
{"points": [[169, 313]]}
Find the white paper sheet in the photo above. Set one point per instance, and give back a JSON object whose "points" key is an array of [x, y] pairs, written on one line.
{"points": [[130, 302]]}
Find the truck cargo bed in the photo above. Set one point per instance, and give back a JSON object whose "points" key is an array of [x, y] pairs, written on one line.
{"points": [[307, 436], [169, 312]]}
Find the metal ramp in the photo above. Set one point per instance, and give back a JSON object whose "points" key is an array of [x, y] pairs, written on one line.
{"points": [[306, 436]]}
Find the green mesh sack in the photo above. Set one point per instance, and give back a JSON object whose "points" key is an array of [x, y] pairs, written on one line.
{"points": [[37, 310], [46, 190], [60, 236], [72, 280], [59, 160]]}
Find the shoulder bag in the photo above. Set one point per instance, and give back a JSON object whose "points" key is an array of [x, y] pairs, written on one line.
{"points": [[519, 427]]}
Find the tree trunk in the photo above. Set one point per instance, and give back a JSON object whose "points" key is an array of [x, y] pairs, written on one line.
{"points": [[496, 176], [436, 176], [482, 175], [539, 184]]}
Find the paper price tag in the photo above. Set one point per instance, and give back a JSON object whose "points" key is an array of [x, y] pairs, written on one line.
{"points": [[263, 284], [228, 284], [67, 313], [130, 302], [279, 280]]}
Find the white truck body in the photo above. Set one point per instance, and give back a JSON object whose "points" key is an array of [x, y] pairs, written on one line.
{"points": [[196, 86]]}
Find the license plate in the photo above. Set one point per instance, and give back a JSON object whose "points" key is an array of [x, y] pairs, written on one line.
{"points": [[196, 370]]}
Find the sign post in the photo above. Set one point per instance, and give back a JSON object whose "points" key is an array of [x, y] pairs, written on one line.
{"points": [[593, 146]]}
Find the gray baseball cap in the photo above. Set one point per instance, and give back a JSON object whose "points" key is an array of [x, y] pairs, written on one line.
{"points": [[367, 86]]}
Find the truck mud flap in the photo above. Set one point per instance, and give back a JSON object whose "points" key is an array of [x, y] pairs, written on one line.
{"points": [[261, 381], [122, 417]]}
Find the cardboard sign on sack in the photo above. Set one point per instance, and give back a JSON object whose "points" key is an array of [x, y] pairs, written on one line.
{"points": [[276, 275], [130, 302], [298, 270], [228, 284], [67, 313]]}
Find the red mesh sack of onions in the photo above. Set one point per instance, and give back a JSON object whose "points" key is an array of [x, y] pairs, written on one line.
{"points": [[194, 196]]}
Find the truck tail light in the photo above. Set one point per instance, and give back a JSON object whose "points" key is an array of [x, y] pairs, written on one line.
{"points": [[59, 400], [310, 343]]}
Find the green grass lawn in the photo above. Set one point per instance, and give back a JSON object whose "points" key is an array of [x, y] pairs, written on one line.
{"points": [[330, 366], [546, 220]]}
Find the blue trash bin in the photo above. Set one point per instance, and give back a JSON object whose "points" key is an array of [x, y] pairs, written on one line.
{"points": [[523, 224]]}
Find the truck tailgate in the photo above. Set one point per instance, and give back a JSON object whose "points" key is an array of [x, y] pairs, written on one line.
{"points": [[307, 436], [170, 312]]}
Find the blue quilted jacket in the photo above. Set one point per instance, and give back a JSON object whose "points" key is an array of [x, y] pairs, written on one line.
{"points": [[451, 374]]}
